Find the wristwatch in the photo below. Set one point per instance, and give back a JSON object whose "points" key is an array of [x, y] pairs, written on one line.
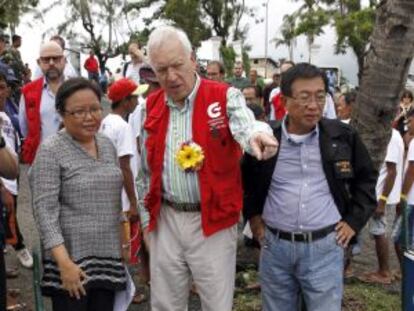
{"points": [[2, 142]]}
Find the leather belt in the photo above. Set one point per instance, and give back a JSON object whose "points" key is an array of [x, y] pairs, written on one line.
{"points": [[306, 237], [183, 207]]}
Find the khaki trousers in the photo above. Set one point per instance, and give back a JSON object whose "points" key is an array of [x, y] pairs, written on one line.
{"points": [[180, 254]]}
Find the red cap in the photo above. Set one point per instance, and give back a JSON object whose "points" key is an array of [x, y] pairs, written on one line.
{"points": [[121, 89]]}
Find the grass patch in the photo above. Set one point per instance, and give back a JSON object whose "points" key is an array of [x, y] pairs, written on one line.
{"points": [[365, 297], [357, 296]]}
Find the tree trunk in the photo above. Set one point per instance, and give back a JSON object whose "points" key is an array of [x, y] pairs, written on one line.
{"points": [[290, 47], [384, 76]]}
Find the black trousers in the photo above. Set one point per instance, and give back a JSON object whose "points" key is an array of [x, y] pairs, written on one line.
{"points": [[95, 300], [3, 290]]}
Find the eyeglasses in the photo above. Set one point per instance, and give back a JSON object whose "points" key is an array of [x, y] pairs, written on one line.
{"points": [[47, 59], [305, 98], [95, 112]]}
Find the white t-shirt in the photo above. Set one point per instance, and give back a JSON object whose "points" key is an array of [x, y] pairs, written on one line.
{"points": [[120, 133], [135, 120], [329, 108], [410, 158], [395, 154], [273, 93], [132, 72], [12, 142]]}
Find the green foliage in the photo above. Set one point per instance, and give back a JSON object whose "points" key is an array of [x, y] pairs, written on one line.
{"points": [[229, 57], [354, 29], [363, 297], [246, 61], [200, 18], [140, 36], [100, 20], [12, 10], [311, 22], [353, 24], [186, 14], [357, 296]]}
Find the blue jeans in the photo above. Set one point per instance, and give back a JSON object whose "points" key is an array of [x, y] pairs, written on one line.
{"points": [[315, 269]]}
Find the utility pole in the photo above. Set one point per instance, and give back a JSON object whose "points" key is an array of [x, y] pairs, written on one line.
{"points": [[266, 36]]}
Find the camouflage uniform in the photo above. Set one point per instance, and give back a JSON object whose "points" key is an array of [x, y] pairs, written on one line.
{"points": [[12, 58]]}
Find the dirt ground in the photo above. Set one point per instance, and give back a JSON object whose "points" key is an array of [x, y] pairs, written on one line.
{"points": [[364, 262]]}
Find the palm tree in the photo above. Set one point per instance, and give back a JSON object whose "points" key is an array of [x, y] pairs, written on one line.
{"points": [[288, 34], [384, 75]]}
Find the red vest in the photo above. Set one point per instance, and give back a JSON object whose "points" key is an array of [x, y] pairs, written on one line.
{"points": [[32, 93], [219, 177], [278, 107]]}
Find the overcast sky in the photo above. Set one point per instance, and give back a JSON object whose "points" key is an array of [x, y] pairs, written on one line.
{"points": [[324, 56]]}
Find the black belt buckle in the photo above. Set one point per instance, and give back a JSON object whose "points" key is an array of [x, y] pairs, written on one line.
{"points": [[306, 237], [301, 237]]}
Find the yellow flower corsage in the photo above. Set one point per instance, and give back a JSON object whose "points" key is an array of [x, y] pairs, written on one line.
{"points": [[190, 157]]}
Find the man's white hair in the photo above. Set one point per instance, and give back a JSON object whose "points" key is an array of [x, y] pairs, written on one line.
{"points": [[165, 33]]}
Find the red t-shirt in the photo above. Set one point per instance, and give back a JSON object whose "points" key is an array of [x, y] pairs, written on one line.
{"points": [[91, 64]]}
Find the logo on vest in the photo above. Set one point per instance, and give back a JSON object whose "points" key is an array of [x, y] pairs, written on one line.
{"points": [[214, 110]]}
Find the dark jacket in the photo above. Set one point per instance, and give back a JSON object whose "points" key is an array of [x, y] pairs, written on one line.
{"points": [[348, 169]]}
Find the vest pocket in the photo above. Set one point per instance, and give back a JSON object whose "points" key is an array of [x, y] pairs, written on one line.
{"points": [[227, 205], [222, 155]]}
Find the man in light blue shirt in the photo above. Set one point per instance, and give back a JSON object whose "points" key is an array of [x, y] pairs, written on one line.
{"points": [[305, 204]]}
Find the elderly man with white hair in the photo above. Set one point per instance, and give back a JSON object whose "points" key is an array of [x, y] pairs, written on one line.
{"points": [[192, 140]]}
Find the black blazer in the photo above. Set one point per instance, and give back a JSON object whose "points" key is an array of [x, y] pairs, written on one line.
{"points": [[348, 169]]}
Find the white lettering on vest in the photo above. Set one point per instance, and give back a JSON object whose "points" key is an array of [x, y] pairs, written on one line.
{"points": [[214, 110]]}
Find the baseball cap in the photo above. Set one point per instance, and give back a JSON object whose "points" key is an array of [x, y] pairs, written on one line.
{"points": [[147, 73], [121, 89], [8, 73]]}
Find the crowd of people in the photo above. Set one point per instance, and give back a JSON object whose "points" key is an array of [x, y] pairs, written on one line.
{"points": [[164, 177]]}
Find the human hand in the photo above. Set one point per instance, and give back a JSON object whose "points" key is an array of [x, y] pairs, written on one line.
{"points": [[257, 226], [72, 278], [126, 252], [380, 210], [136, 52], [133, 214], [264, 146], [145, 237], [344, 234]]}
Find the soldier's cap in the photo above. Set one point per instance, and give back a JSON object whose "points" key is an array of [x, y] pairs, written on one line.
{"points": [[147, 73], [121, 89], [8, 73]]}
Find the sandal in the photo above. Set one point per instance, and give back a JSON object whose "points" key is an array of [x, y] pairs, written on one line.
{"points": [[16, 307], [13, 304], [375, 278]]}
